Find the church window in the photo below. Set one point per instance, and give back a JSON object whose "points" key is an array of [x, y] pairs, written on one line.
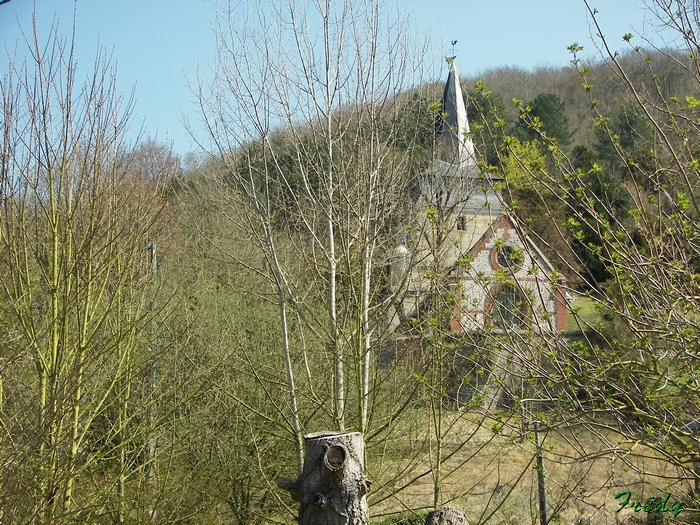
{"points": [[507, 308], [507, 257], [461, 223]]}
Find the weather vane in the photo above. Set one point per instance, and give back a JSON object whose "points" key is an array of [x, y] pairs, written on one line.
{"points": [[451, 59]]}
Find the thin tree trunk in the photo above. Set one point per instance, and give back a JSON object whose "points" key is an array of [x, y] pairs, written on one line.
{"points": [[287, 357], [79, 376], [336, 347], [366, 337]]}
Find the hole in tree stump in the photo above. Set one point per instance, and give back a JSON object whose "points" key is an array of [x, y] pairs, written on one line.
{"points": [[319, 501], [335, 458]]}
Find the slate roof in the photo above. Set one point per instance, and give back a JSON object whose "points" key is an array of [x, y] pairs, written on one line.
{"points": [[452, 129]]}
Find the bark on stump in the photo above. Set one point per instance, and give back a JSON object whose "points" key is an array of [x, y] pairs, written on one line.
{"points": [[446, 516], [332, 485]]}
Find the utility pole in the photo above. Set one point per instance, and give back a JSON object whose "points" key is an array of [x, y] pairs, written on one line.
{"points": [[152, 463]]}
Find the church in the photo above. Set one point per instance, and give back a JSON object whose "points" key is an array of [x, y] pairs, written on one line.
{"points": [[462, 242]]}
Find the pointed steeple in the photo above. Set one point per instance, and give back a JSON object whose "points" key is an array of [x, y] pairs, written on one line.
{"points": [[452, 129]]}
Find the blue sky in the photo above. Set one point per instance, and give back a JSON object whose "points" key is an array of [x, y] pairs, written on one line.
{"points": [[156, 44]]}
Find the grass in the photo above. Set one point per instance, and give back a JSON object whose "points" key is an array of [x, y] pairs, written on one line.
{"points": [[584, 312], [491, 475]]}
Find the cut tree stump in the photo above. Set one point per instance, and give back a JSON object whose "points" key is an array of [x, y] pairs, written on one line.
{"points": [[332, 485]]}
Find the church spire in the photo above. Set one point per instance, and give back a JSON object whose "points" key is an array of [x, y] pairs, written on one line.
{"points": [[454, 144]]}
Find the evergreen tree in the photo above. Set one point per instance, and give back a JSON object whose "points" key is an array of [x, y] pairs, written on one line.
{"points": [[548, 114]]}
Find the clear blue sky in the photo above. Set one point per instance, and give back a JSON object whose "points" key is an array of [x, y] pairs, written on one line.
{"points": [[157, 43]]}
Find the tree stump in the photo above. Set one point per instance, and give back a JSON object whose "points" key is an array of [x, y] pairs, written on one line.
{"points": [[446, 516], [332, 485]]}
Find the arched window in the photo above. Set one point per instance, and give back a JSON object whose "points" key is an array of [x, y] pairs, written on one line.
{"points": [[507, 308]]}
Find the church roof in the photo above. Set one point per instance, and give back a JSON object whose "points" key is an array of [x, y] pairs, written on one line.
{"points": [[511, 222], [462, 190], [452, 127]]}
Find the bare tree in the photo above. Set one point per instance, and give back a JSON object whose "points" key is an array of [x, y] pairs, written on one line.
{"points": [[304, 123], [74, 219]]}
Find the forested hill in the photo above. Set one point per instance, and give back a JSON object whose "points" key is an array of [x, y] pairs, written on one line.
{"points": [[644, 69]]}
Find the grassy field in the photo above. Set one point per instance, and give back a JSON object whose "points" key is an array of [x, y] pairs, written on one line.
{"points": [[583, 314], [489, 474]]}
